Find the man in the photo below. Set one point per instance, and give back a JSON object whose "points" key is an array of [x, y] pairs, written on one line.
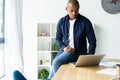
{"points": [[72, 31]]}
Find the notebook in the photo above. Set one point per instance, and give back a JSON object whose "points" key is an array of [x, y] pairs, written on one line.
{"points": [[89, 60]]}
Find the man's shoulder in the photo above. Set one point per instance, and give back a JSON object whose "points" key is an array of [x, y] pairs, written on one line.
{"points": [[84, 18]]}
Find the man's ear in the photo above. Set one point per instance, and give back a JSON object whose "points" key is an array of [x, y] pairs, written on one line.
{"points": [[66, 8]]}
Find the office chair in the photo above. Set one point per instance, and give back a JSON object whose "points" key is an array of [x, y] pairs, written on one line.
{"points": [[18, 75]]}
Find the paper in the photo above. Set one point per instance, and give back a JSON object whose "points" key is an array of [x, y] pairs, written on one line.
{"points": [[108, 71], [109, 64]]}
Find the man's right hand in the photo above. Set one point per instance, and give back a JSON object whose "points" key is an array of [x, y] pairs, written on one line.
{"points": [[68, 49]]}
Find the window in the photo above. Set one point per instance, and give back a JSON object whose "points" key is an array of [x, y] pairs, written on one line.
{"points": [[2, 66]]}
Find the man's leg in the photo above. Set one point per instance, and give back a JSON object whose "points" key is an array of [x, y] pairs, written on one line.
{"points": [[51, 74], [63, 58]]}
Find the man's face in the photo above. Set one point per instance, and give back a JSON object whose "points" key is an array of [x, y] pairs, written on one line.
{"points": [[72, 10]]}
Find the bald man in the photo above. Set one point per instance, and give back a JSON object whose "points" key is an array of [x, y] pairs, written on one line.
{"points": [[72, 32]]}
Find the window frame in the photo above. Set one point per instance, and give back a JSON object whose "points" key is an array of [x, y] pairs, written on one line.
{"points": [[2, 30], [2, 35]]}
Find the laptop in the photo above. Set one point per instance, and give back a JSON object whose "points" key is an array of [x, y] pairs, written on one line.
{"points": [[89, 60]]}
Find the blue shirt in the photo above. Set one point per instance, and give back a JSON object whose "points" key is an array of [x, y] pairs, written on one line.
{"points": [[83, 30]]}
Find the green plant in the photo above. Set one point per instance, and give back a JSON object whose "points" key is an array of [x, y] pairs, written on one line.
{"points": [[43, 74], [56, 47]]}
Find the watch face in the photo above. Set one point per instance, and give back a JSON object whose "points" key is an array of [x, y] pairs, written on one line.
{"points": [[111, 6]]}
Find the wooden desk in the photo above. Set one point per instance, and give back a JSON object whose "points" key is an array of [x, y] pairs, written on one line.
{"points": [[70, 72]]}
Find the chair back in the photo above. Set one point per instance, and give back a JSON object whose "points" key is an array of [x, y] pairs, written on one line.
{"points": [[17, 75]]}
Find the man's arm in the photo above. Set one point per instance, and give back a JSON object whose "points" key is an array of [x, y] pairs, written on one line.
{"points": [[91, 37], [59, 35], [59, 38]]}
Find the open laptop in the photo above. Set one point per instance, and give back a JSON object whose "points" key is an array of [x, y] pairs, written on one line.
{"points": [[89, 60]]}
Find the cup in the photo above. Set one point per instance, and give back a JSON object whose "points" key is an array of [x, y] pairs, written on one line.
{"points": [[118, 69]]}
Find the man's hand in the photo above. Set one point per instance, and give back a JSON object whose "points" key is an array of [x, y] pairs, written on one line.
{"points": [[68, 49]]}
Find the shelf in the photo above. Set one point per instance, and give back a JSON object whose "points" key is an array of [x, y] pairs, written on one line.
{"points": [[40, 37], [45, 68], [46, 51], [54, 51], [44, 65], [54, 45], [39, 51], [44, 58], [53, 55], [46, 45], [43, 29]]}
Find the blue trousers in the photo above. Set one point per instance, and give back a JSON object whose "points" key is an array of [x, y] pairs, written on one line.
{"points": [[63, 58]]}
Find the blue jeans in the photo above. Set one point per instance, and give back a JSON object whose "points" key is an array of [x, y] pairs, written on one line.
{"points": [[63, 58]]}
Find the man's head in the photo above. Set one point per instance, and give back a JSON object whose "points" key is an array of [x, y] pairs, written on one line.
{"points": [[72, 8]]}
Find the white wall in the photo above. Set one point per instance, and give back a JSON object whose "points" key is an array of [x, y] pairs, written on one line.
{"points": [[107, 28]]}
